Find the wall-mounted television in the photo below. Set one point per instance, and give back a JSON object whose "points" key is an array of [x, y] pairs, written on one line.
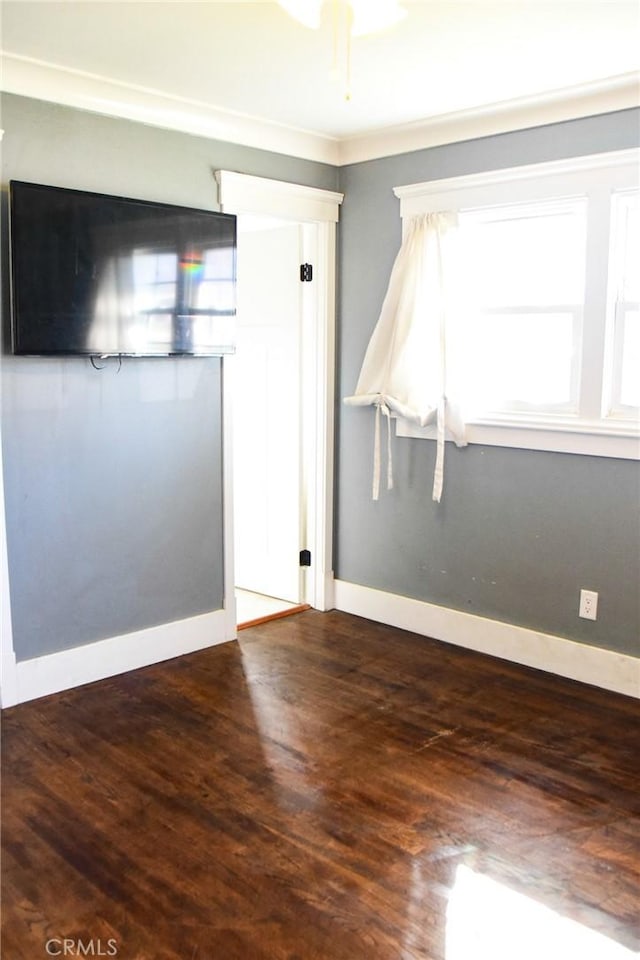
{"points": [[98, 275]]}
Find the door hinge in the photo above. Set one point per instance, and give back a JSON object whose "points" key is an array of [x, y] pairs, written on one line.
{"points": [[306, 272], [305, 558]]}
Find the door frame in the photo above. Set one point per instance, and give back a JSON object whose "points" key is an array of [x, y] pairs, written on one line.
{"points": [[243, 194]]}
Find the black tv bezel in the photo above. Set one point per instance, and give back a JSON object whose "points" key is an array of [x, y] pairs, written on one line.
{"points": [[89, 354]]}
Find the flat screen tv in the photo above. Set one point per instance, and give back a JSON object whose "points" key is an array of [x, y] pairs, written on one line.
{"points": [[97, 275]]}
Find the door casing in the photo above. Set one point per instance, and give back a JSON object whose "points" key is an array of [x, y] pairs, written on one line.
{"points": [[318, 211]]}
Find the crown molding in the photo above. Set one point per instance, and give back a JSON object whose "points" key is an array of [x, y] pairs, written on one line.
{"points": [[27, 77], [86, 91], [572, 103]]}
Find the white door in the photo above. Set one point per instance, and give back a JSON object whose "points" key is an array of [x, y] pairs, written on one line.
{"points": [[267, 409]]}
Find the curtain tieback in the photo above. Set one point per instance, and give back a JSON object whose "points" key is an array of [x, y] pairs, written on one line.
{"points": [[438, 475], [381, 408]]}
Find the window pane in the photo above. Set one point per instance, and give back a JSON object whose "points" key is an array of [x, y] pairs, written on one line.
{"points": [[629, 247], [630, 378], [520, 256], [518, 360], [624, 294]]}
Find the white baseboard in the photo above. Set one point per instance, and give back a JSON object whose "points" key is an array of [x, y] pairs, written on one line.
{"points": [[8, 682], [567, 658], [107, 658], [55, 672]]}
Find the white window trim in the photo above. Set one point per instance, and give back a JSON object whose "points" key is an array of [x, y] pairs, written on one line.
{"points": [[597, 177]]}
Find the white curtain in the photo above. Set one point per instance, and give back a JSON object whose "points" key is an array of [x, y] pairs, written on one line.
{"points": [[405, 367]]}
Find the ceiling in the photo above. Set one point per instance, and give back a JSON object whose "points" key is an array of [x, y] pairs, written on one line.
{"points": [[244, 63]]}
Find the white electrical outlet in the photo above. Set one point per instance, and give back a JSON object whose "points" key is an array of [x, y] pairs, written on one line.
{"points": [[588, 605]]}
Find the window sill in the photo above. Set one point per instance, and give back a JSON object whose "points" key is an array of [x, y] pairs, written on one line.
{"points": [[602, 438]]}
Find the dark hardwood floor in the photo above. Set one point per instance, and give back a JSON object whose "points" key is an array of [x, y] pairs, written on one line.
{"points": [[324, 789]]}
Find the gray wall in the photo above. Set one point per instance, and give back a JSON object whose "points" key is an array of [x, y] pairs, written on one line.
{"points": [[517, 533], [113, 479]]}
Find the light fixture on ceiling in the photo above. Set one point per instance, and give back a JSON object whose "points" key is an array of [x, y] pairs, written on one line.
{"points": [[365, 16], [355, 18]]}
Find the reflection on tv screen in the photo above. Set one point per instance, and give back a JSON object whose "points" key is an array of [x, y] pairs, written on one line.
{"points": [[99, 275]]}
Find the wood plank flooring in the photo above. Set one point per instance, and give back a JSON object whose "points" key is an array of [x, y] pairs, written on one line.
{"points": [[324, 789]]}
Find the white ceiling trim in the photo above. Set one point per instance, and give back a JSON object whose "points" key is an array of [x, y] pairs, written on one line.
{"points": [[44, 81], [615, 93], [85, 91]]}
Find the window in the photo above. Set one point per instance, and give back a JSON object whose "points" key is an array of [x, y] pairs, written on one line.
{"points": [[544, 325]]}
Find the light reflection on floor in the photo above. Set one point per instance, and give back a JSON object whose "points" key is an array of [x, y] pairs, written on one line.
{"points": [[285, 728], [488, 921]]}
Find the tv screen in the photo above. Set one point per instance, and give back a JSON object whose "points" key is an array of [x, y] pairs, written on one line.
{"points": [[97, 275]]}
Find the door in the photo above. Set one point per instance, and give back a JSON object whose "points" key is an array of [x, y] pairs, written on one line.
{"points": [[267, 409]]}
